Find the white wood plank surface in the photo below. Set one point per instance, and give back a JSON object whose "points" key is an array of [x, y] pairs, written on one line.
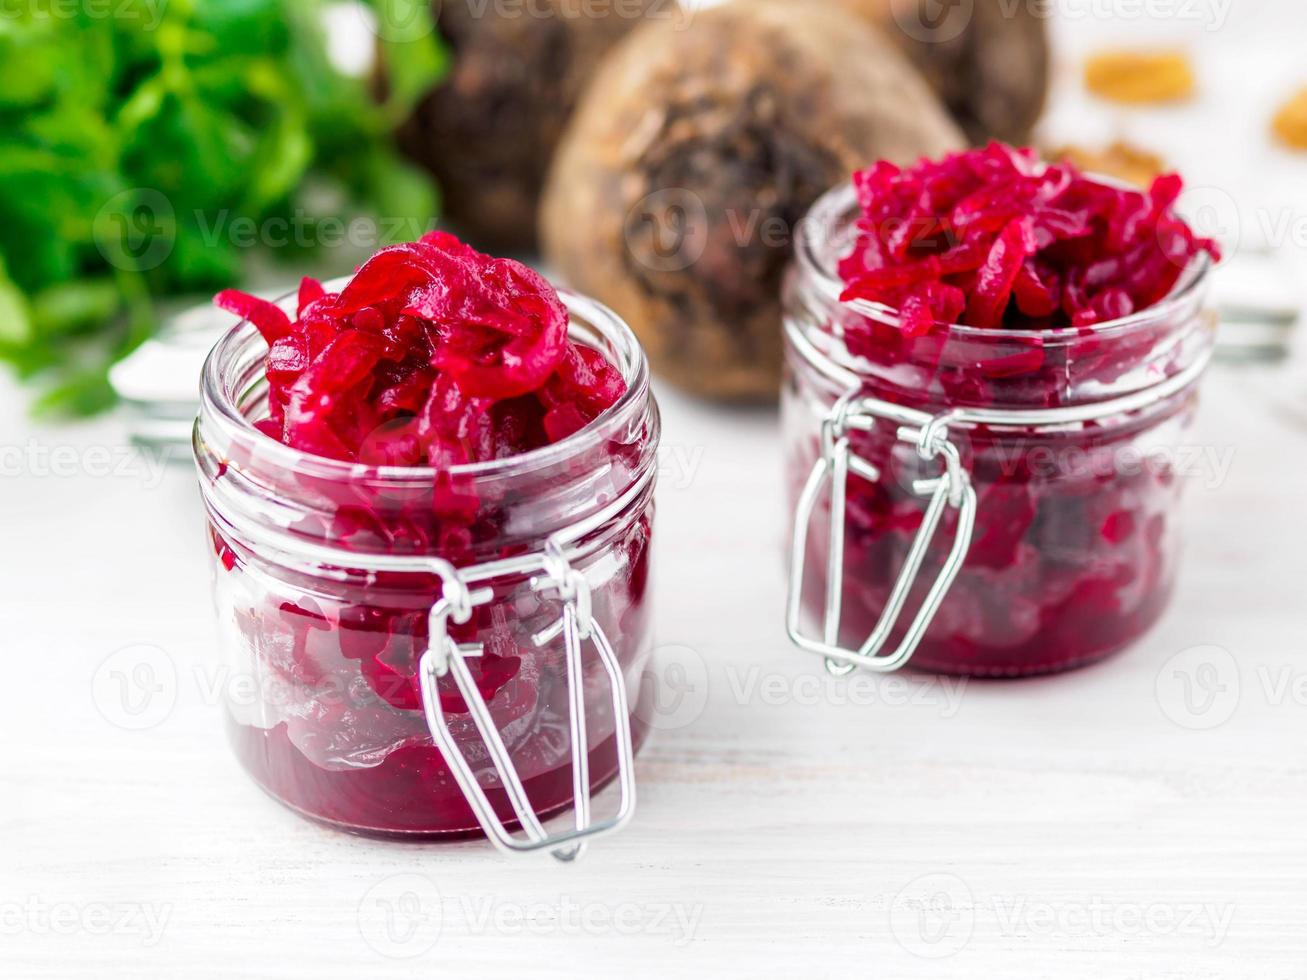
{"points": [[1078, 826]]}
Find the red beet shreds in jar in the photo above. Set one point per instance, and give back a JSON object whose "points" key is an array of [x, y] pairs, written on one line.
{"points": [[991, 368], [430, 501]]}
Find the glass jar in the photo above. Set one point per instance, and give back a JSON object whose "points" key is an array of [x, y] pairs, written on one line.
{"points": [[983, 502], [413, 653]]}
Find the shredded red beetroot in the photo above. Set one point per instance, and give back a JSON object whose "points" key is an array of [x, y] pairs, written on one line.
{"points": [[436, 355], [993, 238], [433, 354], [1074, 549]]}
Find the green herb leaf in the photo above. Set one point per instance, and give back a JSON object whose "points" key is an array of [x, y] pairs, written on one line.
{"points": [[15, 318], [152, 153], [71, 307]]}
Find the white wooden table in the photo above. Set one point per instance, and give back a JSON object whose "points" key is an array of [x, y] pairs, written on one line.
{"points": [[1146, 818], [1090, 825]]}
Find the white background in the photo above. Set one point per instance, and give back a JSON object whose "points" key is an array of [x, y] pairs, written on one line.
{"points": [[1098, 824]]}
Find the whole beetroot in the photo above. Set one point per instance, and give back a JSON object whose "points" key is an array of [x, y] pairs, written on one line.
{"points": [[693, 155], [987, 59], [488, 131]]}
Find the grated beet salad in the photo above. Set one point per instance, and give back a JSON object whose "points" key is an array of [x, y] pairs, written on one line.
{"points": [[432, 356], [994, 239], [988, 280]]}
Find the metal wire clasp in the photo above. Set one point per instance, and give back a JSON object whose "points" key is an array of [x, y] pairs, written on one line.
{"points": [[950, 489], [577, 625]]}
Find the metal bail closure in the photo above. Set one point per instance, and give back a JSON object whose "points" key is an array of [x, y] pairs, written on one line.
{"points": [[576, 626], [951, 489]]}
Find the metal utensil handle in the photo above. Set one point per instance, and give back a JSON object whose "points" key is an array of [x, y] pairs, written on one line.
{"points": [[952, 489], [446, 657]]}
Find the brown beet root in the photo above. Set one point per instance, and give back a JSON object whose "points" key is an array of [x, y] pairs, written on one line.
{"points": [[489, 130], [694, 154], [987, 59]]}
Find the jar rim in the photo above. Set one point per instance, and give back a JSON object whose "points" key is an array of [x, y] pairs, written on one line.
{"points": [[818, 266], [219, 402]]}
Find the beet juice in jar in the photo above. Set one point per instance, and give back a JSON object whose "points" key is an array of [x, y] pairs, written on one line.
{"points": [[429, 492], [991, 367]]}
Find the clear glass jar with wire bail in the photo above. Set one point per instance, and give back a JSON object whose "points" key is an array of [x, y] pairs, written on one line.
{"points": [[987, 502], [415, 653]]}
